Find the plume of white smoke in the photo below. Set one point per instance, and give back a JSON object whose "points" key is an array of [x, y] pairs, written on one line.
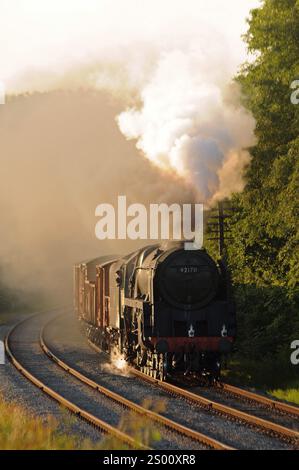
{"points": [[175, 59], [188, 122]]}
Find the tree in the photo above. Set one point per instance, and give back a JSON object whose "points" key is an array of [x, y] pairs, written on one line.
{"points": [[264, 250]]}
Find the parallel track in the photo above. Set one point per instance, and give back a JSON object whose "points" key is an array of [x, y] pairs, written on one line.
{"points": [[90, 418], [267, 402], [162, 420], [267, 426]]}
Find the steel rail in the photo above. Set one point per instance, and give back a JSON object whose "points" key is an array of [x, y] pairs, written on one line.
{"points": [[261, 423], [170, 424], [102, 425], [211, 405], [273, 404]]}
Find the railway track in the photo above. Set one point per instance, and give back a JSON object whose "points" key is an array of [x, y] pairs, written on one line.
{"points": [[269, 427], [156, 417], [69, 368], [259, 425], [264, 425], [15, 354], [261, 400], [225, 389], [15, 351]]}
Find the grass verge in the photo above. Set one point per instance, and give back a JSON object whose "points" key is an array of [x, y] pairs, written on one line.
{"points": [[20, 430], [290, 394], [277, 378]]}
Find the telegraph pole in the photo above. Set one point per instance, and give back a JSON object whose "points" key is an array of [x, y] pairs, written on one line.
{"points": [[219, 227]]}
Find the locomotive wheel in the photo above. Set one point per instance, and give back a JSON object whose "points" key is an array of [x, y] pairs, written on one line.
{"points": [[155, 365], [162, 367]]}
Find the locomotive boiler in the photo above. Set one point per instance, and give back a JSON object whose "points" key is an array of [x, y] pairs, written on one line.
{"points": [[167, 310]]}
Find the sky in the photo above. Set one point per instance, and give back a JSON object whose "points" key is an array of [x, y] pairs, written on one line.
{"points": [[175, 58], [51, 36]]}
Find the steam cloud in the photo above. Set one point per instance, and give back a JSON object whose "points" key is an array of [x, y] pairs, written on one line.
{"points": [[172, 64], [168, 67], [68, 157], [187, 124]]}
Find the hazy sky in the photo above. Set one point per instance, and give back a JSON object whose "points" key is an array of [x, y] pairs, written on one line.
{"points": [[170, 63], [51, 36]]}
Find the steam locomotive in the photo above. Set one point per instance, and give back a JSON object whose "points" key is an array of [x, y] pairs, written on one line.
{"points": [[168, 311]]}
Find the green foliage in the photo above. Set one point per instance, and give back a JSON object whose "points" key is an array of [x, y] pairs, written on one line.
{"points": [[271, 319], [263, 254], [267, 323], [291, 394]]}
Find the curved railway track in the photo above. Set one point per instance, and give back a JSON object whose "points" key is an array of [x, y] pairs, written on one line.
{"points": [[14, 355], [269, 427], [158, 418], [260, 399], [64, 367], [16, 358], [247, 396]]}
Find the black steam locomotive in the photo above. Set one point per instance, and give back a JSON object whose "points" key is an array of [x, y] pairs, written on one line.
{"points": [[167, 310]]}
